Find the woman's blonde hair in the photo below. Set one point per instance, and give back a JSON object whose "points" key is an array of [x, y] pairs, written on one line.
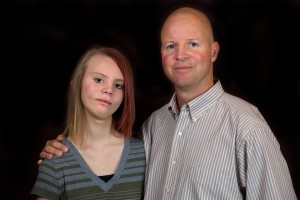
{"points": [[123, 118]]}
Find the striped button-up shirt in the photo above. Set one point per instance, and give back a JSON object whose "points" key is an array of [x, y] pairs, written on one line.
{"points": [[217, 147]]}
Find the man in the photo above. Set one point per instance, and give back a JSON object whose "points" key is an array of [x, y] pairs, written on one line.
{"points": [[205, 143]]}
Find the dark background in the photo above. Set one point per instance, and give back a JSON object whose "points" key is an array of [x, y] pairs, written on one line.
{"points": [[41, 42]]}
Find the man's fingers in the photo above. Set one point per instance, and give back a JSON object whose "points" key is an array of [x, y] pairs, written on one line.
{"points": [[60, 137], [45, 155], [55, 147], [60, 147], [39, 162]]}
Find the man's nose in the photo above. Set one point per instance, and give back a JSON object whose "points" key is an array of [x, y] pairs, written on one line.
{"points": [[181, 53]]}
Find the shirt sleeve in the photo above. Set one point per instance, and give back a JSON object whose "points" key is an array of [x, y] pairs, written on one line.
{"points": [[263, 171], [47, 182]]}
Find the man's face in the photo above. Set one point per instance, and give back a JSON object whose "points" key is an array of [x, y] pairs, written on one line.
{"points": [[188, 51]]}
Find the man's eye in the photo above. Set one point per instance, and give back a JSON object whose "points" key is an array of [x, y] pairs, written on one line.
{"points": [[194, 44], [171, 46]]}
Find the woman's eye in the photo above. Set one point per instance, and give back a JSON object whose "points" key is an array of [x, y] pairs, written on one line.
{"points": [[119, 86], [98, 80]]}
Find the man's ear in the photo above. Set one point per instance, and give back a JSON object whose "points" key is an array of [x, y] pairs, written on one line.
{"points": [[215, 51]]}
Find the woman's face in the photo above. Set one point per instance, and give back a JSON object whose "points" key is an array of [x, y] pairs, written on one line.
{"points": [[102, 87]]}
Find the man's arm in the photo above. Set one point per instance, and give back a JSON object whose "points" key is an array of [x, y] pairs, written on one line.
{"points": [[53, 147]]}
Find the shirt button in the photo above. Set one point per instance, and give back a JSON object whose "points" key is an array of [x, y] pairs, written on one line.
{"points": [[167, 189], [173, 162], [180, 133]]}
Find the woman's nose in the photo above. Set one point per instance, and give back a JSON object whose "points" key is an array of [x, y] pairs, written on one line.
{"points": [[107, 90]]}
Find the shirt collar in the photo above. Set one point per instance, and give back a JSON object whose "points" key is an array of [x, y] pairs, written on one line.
{"points": [[199, 105]]}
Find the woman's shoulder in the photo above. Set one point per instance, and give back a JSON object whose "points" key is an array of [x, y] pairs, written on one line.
{"points": [[136, 144], [135, 140]]}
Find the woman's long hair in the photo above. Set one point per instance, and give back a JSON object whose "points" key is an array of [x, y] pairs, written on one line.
{"points": [[123, 118]]}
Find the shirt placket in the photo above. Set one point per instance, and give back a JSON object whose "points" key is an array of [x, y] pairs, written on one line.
{"points": [[177, 146]]}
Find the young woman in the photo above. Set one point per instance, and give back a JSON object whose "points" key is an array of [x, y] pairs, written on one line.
{"points": [[103, 161]]}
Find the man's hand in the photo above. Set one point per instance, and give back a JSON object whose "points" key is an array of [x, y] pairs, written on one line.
{"points": [[53, 147]]}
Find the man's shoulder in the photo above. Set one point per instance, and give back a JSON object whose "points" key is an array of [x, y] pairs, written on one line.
{"points": [[161, 110], [157, 115], [237, 102], [242, 109]]}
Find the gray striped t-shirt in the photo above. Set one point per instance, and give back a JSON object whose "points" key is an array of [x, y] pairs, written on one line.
{"points": [[69, 177]]}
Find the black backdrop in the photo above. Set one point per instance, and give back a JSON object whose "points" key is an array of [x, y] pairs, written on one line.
{"points": [[41, 42]]}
